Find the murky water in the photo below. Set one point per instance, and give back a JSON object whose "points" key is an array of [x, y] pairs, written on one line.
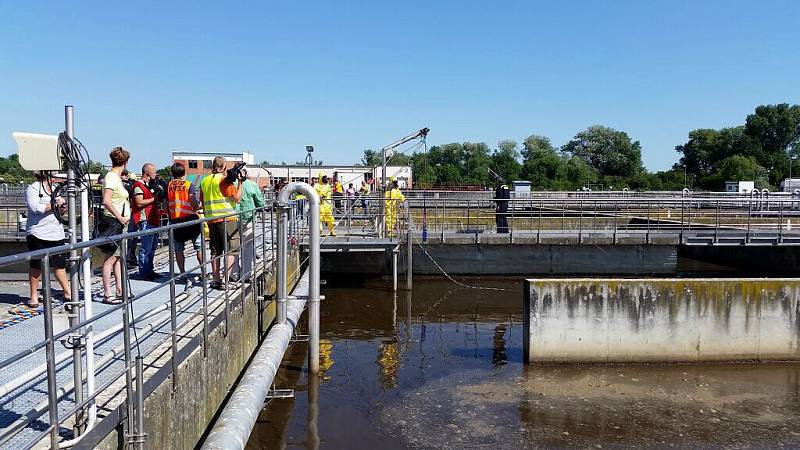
{"points": [[442, 368]]}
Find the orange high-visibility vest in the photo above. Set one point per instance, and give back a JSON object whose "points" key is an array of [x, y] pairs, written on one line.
{"points": [[178, 196]]}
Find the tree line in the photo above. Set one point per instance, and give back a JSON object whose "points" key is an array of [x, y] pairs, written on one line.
{"points": [[600, 157]]}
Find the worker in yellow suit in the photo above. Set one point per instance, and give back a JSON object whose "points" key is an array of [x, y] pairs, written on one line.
{"points": [[325, 207], [392, 200]]}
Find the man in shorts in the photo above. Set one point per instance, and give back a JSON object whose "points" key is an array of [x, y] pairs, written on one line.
{"points": [[220, 197], [183, 201]]}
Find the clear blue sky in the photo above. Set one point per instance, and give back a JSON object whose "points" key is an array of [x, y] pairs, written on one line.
{"points": [[345, 76]]}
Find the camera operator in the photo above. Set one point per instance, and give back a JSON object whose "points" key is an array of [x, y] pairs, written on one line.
{"points": [[146, 208], [43, 230], [220, 193]]}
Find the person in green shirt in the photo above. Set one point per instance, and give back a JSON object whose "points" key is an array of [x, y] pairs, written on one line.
{"points": [[252, 198]]}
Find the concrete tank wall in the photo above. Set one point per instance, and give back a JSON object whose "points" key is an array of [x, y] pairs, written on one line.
{"points": [[661, 320]]}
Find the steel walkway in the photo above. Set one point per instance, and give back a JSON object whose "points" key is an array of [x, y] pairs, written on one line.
{"points": [[23, 400]]}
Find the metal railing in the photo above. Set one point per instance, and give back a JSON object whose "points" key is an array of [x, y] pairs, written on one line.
{"points": [[689, 219], [42, 374]]}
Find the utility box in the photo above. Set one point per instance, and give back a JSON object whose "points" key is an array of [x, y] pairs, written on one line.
{"points": [[790, 184], [521, 186], [741, 187], [38, 151]]}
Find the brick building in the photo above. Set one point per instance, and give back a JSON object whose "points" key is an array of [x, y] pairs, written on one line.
{"points": [[198, 164]]}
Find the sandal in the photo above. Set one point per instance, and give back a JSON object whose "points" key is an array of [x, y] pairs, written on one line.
{"points": [[112, 300]]}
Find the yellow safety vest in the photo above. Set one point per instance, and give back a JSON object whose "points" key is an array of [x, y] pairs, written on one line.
{"points": [[214, 203]]}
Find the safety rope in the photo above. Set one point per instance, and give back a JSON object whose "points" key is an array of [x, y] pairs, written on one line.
{"points": [[447, 275]]}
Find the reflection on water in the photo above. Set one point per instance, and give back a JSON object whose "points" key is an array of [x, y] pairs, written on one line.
{"points": [[442, 367]]}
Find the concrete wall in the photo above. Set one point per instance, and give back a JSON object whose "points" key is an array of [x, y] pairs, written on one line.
{"points": [[526, 259], [661, 320], [177, 413]]}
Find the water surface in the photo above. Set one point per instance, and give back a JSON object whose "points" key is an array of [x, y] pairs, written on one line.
{"points": [[441, 367]]}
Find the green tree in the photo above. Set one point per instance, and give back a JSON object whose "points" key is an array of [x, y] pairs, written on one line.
{"points": [[505, 161], [776, 131], [536, 144], [611, 152], [11, 171], [476, 163], [165, 172], [371, 158], [737, 168]]}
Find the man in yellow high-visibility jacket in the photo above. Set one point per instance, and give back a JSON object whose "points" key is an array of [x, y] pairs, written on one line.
{"points": [[219, 198], [325, 208], [392, 200]]}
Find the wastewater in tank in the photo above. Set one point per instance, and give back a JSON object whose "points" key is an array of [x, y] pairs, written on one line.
{"points": [[441, 367]]}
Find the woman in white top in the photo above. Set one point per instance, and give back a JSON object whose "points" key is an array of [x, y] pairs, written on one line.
{"points": [[43, 230], [113, 221]]}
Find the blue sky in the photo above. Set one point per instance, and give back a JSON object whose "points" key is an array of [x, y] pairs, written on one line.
{"points": [[345, 76]]}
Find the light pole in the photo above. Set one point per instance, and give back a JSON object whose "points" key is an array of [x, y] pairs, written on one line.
{"points": [[791, 160], [309, 160]]}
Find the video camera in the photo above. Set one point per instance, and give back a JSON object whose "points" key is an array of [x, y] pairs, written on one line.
{"points": [[237, 172], [158, 188]]}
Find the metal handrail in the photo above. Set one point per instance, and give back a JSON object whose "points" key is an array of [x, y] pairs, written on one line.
{"points": [[49, 341]]}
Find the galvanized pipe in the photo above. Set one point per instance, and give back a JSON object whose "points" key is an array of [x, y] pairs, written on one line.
{"points": [[234, 425], [313, 263], [281, 267], [52, 400], [74, 309]]}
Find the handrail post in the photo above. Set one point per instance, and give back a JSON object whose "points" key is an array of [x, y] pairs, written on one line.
{"points": [[204, 284], [52, 398], [580, 222], [409, 262], [394, 269], [282, 267], [140, 434], [126, 338], [173, 317]]}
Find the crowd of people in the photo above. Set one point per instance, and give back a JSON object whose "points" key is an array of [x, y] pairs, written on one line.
{"points": [[131, 205], [227, 197]]}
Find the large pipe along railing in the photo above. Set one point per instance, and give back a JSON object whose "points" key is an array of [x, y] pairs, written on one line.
{"points": [[235, 423]]}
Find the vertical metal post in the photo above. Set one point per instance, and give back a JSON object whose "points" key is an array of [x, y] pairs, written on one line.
{"points": [[683, 209], [140, 434], [281, 269], [780, 221], [313, 283], [242, 269], [173, 316], [394, 269], [539, 227], [409, 262], [224, 265], [615, 222], [74, 309], [126, 337], [313, 412], [86, 269], [580, 222], [52, 399], [716, 223], [204, 284]]}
